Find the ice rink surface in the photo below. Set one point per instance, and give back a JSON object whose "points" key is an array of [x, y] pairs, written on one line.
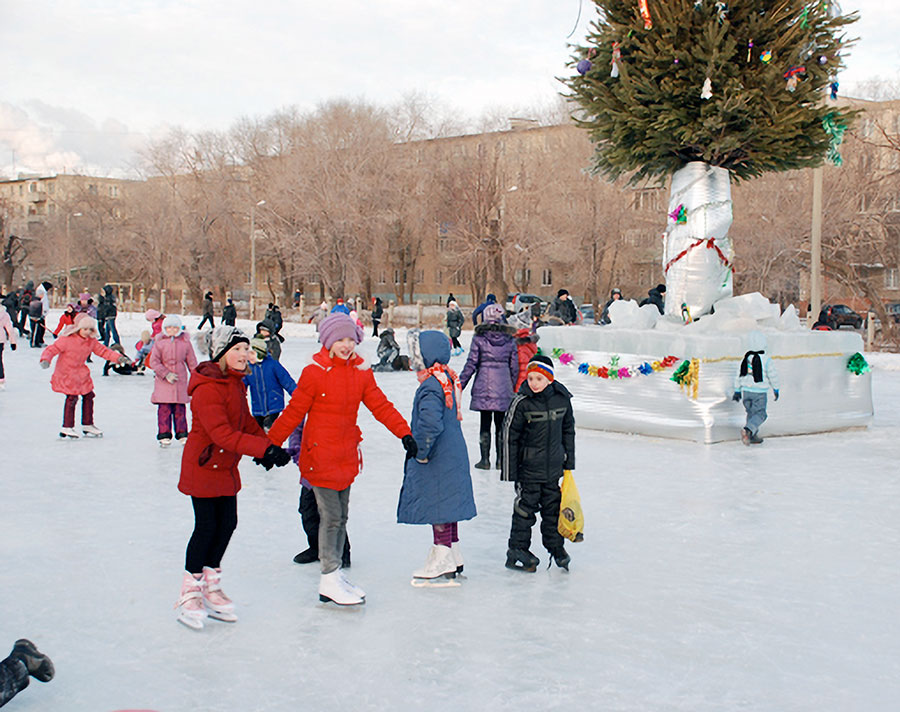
{"points": [[712, 577]]}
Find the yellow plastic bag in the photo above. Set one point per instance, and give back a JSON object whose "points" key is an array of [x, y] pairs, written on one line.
{"points": [[571, 518]]}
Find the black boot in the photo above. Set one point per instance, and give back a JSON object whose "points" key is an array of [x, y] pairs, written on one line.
{"points": [[308, 556], [521, 559], [561, 558], [498, 441], [484, 441], [40, 667]]}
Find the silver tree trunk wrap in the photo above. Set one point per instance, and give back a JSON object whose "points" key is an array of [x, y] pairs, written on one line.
{"points": [[698, 253]]}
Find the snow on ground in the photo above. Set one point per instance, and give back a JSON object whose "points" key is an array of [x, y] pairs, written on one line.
{"points": [[711, 578]]}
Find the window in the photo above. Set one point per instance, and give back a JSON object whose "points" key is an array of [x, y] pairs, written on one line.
{"points": [[439, 277], [32, 187], [312, 278], [382, 277], [396, 276], [646, 200], [51, 188], [420, 276], [547, 278], [92, 189], [52, 208], [892, 278], [523, 276]]}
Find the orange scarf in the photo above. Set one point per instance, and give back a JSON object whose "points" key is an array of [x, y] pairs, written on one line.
{"points": [[449, 381]]}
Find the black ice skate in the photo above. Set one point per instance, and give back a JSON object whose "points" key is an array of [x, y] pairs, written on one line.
{"points": [[561, 558], [521, 560]]}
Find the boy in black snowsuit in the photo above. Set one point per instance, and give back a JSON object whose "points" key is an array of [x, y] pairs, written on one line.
{"points": [[539, 443]]}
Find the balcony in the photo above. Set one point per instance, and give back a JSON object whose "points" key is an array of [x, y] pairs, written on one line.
{"points": [[38, 196]]}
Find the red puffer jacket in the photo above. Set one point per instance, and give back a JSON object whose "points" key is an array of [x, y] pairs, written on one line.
{"points": [[330, 391], [222, 430]]}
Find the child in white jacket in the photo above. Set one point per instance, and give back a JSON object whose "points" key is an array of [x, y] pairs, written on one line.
{"points": [[756, 375]]}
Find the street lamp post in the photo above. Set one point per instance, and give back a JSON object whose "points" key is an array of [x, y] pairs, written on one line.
{"points": [[253, 257], [69, 255]]}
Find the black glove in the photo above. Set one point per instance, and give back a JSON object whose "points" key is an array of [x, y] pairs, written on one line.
{"points": [[409, 444], [736, 397], [273, 457], [12, 346]]}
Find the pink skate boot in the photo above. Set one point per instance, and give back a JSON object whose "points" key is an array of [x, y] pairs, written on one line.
{"points": [[190, 606], [217, 604]]}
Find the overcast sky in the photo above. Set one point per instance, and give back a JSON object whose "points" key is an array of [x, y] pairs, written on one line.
{"points": [[85, 82]]}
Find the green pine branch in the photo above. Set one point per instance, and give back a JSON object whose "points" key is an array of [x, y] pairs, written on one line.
{"points": [[651, 120]]}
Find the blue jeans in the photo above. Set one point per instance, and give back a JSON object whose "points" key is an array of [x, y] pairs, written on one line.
{"points": [[110, 331], [755, 405]]}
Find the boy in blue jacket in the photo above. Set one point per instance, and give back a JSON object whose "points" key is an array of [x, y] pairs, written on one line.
{"points": [[268, 381]]}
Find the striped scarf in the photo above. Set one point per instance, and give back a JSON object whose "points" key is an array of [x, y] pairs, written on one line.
{"points": [[449, 381]]}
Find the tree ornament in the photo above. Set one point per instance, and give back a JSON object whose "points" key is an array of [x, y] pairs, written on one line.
{"points": [[616, 56], [857, 364], [584, 66], [834, 127], [698, 4], [833, 87], [823, 59], [766, 56], [685, 313], [792, 76], [679, 215], [645, 13], [706, 92], [749, 50], [721, 11]]}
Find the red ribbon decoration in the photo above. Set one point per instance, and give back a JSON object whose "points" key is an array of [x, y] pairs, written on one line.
{"points": [[645, 13], [710, 244]]}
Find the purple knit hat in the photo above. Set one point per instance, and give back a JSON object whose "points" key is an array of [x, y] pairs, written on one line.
{"points": [[336, 327]]}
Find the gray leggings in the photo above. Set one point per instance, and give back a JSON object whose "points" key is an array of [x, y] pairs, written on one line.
{"points": [[334, 507], [755, 405]]}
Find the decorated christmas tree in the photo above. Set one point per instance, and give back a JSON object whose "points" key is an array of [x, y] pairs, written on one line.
{"points": [[709, 92]]}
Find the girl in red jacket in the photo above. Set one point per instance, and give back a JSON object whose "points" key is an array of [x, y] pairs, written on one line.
{"points": [[222, 430], [72, 377], [328, 396]]}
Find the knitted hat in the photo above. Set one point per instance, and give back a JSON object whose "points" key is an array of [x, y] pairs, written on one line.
{"points": [[661, 288], [561, 292], [493, 313], [145, 336], [259, 345], [172, 320], [336, 327], [85, 296], [152, 315], [81, 321], [216, 342], [541, 364]]}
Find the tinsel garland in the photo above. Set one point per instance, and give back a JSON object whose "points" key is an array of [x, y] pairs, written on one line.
{"points": [[834, 128], [687, 375], [614, 370], [857, 364]]}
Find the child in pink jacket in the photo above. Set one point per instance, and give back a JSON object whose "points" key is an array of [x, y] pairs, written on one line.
{"points": [[72, 377], [172, 360], [7, 333]]}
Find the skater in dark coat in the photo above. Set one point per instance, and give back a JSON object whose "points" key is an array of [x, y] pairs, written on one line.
{"points": [[655, 297], [539, 443], [266, 331], [273, 314], [110, 312], [563, 308], [479, 310], [494, 364], [455, 321], [229, 313], [207, 312], [614, 296], [388, 350], [377, 313]]}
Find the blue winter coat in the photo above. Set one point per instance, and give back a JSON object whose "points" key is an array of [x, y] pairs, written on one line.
{"points": [[437, 487], [268, 380], [494, 363], [490, 299]]}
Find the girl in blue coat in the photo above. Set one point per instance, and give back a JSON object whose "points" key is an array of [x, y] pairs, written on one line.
{"points": [[437, 487], [268, 381]]}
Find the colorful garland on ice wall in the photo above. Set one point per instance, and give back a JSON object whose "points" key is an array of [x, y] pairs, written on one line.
{"points": [[614, 370]]}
